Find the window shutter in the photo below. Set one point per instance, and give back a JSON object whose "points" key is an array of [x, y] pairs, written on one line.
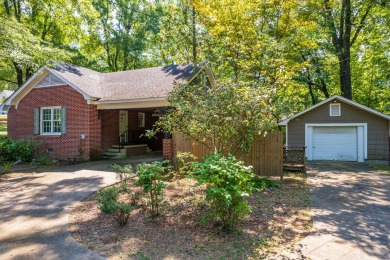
{"points": [[36, 121], [63, 120]]}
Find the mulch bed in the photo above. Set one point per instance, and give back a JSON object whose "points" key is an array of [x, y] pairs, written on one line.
{"points": [[279, 218]]}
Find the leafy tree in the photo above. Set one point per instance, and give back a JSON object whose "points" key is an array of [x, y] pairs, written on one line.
{"points": [[125, 28], [225, 117], [344, 21]]}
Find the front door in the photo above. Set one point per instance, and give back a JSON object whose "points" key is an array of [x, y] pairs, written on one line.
{"points": [[123, 125]]}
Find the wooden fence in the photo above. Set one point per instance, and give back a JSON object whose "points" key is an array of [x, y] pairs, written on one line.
{"points": [[266, 154]]}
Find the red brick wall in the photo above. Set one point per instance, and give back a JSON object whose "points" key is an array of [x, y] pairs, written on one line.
{"points": [[81, 118], [110, 128], [167, 149]]}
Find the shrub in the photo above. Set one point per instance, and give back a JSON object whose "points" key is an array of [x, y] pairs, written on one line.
{"points": [[227, 181], [22, 149], [122, 213], [263, 183], [123, 174], [42, 160], [150, 178], [108, 200], [184, 161]]}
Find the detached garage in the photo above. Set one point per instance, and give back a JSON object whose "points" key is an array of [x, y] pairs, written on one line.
{"points": [[339, 129]]}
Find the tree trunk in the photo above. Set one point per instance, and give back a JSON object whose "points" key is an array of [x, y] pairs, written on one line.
{"points": [[345, 74], [194, 54], [19, 74]]}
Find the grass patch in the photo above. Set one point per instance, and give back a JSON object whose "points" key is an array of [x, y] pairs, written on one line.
{"points": [[381, 167], [279, 218], [3, 129]]}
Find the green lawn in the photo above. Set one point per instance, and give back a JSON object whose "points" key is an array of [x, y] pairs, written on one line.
{"points": [[3, 129]]}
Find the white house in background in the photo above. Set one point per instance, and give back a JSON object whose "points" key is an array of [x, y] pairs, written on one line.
{"points": [[4, 95]]}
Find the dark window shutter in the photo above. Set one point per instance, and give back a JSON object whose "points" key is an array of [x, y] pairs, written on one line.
{"points": [[63, 120], [36, 121]]}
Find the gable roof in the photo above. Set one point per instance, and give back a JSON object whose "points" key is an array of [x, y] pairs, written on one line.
{"points": [[148, 83], [348, 101]]}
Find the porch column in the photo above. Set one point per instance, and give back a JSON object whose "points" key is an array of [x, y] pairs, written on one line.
{"points": [[167, 149]]}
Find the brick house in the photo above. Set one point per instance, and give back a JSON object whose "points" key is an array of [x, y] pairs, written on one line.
{"points": [[74, 111]]}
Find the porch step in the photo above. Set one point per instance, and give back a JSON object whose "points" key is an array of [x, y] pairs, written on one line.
{"points": [[116, 150], [113, 153], [116, 146]]}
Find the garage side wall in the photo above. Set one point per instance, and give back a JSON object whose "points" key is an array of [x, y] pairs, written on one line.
{"points": [[377, 127]]}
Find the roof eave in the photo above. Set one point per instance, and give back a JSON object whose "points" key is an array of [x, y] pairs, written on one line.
{"points": [[85, 95], [348, 101], [8, 101]]}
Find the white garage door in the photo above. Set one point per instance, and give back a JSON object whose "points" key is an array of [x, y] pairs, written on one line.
{"points": [[335, 143]]}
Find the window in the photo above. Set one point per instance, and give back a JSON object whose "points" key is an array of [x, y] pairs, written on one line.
{"points": [[141, 119], [334, 109], [51, 120]]}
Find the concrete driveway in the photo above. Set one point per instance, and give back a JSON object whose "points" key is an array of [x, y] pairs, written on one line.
{"points": [[351, 213], [34, 210]]}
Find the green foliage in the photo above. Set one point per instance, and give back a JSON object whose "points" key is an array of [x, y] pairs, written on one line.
{"points": [[227, 181], [225, 117], [150, 178], [184, 163], [108, 200], [263, 183], [22, 149], [42, 160], [123, 174], [7, 166]]}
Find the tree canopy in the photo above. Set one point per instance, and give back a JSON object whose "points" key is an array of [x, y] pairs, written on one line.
{"points": [[305, 51]]}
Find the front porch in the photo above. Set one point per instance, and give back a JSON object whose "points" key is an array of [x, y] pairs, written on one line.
{"points": [[122, 132]]}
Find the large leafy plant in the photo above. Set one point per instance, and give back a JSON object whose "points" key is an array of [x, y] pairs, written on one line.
{"points": [[150, 178], [225, 117], [228, 182]]}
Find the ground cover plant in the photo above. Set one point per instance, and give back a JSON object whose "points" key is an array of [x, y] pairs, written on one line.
{"points": [[279, 217]]}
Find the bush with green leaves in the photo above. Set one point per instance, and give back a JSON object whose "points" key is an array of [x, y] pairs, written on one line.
{"points": [[21, 149], [108, 203], [123, 174], [184, 161], [228, 182], [150, 178], [263, 183]]}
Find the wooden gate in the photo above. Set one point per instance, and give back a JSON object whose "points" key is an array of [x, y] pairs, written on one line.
{"points": [[266, 154]]}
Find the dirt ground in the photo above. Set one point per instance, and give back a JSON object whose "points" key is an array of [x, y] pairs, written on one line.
{"points": [[280, 217]]}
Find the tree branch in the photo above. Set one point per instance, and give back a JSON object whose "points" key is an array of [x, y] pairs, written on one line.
{"points": [[329, 17], [10, 81], [361, 24]]}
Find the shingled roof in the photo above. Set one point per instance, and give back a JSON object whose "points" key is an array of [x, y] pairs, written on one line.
{"points": [[154, 82]]}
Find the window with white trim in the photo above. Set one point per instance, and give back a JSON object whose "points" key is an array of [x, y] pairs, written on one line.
{"points": [[51, 120], [141, 119], [335, 109]]}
